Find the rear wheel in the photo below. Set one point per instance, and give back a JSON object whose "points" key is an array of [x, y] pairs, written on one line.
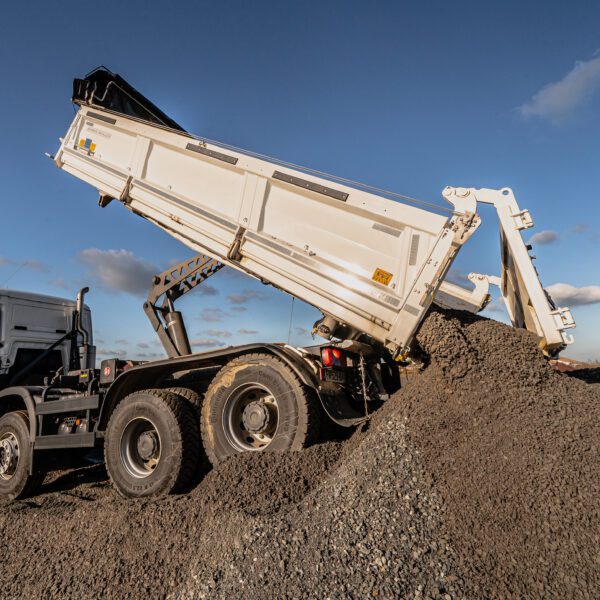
{"points": [[15, 457], [194, 401], [152, 445], [256, 403]]}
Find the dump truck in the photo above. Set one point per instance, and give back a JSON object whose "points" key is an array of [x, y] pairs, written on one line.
{"points": [[371, 261]]}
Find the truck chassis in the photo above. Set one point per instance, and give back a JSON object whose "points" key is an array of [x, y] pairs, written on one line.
{"points": [[152, 419]]}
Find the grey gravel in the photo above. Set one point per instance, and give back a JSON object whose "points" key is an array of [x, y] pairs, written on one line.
{"points": [[479, 479]]}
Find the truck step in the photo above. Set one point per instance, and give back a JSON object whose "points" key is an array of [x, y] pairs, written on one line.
{"points": [[70, 440], [67, 405]]}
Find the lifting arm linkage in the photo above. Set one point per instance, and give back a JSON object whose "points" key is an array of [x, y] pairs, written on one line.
{"points": [[171, 285], [528, 304]]}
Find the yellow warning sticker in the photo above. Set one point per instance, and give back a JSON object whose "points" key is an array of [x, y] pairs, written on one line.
{"points": [[88, 145], [381, 276]]}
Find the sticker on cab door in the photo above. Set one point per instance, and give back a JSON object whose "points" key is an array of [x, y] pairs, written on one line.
{"points": [[381, 276]]}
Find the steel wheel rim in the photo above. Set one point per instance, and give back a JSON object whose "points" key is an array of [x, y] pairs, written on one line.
{"points": [[140, 447], [9, 455], [236, 417]]}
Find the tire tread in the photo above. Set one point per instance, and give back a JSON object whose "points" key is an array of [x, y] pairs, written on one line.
{"points": [[35, 480]]}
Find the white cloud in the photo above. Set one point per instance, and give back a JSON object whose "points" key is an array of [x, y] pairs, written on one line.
{"points": [[244, 331], [34, 265], [207, 343], [205, 289], [119, 270], [246, 296], [579, 228], [543, 238], [560, 98], [60, 283], [566, 294], [212, 315], [110, 352], [150, 355], [218, 333]]}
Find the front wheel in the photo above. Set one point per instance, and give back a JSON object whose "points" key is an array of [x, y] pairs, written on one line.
{"points": [[15, 456], [256, 403]]}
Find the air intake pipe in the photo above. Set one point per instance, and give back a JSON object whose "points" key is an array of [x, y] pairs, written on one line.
{"points": [[87, 352]]}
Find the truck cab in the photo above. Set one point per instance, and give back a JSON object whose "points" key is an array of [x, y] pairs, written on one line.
{"points": [[29, 325]]}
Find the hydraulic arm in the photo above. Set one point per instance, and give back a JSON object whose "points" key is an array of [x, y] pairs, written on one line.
{"points": [[167, 287]]}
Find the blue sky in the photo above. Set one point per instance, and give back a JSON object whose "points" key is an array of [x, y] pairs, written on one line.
{"points": [[409, 96]]}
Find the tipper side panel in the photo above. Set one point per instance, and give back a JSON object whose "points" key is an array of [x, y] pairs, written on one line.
{"points": [[353, 254]]}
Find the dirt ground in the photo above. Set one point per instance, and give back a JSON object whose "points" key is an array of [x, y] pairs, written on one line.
{"points": [[479, 479]]}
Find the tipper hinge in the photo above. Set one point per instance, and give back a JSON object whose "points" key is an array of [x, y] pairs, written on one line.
{"points": [[234, 249], [522, 219], [564, 320]]}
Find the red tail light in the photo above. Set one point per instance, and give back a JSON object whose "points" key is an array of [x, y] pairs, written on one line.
{"points": [[333, 357], [327, 357]]}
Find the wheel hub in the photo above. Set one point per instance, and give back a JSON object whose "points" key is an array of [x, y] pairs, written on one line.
{"points": [[140, 447], [147, 445], [250, 417], [9, 455], [256, 417]]}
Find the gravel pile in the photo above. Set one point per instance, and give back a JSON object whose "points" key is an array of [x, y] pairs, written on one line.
{"points": [[513, 449], [368, 530], [480, 478], [348, 520]]}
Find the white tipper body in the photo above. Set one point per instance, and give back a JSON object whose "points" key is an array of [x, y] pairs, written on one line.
{"points": [[370, 262]]}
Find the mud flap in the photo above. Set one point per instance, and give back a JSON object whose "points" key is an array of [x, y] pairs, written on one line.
{"points": [[339, 410]]}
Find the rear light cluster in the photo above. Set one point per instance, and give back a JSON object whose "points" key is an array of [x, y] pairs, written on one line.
{"points": [[333, 357]]}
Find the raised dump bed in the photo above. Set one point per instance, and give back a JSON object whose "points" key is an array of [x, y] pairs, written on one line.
{"points": [[370, 263]]}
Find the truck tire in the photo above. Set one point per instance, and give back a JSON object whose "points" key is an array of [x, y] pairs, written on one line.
{"points": [[15, 457], [190, 396], [256, 402], [195, 403], [152, 446]]}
